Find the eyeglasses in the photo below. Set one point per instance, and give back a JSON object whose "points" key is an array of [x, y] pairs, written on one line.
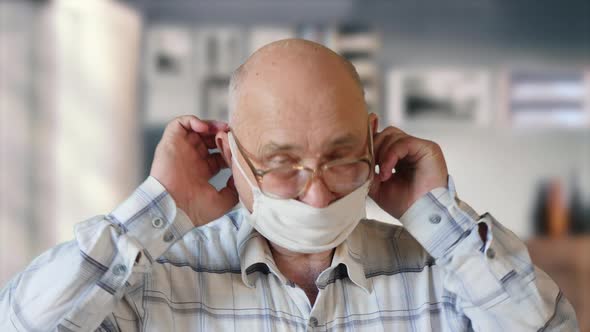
{"points": [[341, 176]]}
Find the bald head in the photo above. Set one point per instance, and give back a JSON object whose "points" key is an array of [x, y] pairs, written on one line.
{"points": [[309, 59], [295, 102]]}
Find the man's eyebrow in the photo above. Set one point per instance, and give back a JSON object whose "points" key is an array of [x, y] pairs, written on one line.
{"points": [[347, 139], [274, 147]]}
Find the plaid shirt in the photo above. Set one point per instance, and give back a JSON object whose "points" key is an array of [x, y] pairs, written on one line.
{"points": [[145, 267]]}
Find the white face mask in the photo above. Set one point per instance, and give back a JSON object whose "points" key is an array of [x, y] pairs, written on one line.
{"points": [[303, 228]]}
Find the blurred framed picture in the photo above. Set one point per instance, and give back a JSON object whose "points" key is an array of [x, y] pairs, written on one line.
{"points": [[218, 50], [214, 99], [169, 73], [169, 54], [262, 35], [438, 97], [546, 98]]}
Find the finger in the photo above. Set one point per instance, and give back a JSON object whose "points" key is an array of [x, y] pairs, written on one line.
{"points": [[216, 163], [407, 149], [202, 139], [382, 156], [187, 123], [230, 182], [216, 126], [389, 161], [210, 142], [194, 138], [379, 137], [213, 127], [207, 127], [196, 141], [374, 188], [227, 198], [382, 153]]}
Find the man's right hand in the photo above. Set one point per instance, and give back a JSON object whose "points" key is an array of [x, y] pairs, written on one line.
{"points": [[183, 165]]}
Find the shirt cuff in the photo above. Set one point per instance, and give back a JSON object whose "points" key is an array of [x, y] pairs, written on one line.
{"points": [[439, 220], [151, 217]]}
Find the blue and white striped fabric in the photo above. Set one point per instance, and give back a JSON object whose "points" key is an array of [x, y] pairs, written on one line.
{"points": [[144, 267]]}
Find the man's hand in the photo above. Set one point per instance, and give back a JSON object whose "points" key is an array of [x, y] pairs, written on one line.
{"points": [[183, 165], [419, 167]]}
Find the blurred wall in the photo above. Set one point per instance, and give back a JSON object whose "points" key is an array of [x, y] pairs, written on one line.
{"points": [[70, 146], [18, 203]]}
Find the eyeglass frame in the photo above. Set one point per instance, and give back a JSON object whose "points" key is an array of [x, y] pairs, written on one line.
{"points": [[259, 174]]}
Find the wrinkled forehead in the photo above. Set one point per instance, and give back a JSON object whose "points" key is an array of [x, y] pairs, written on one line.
{"points": [[309, 120], [307, 99]]}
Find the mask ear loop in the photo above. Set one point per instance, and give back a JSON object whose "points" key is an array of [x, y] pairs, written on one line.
{"points": [[234, 149], [374, 165]]}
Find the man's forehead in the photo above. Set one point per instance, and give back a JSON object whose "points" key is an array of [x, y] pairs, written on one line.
{"points": [[301, 97], [326, 144], [264, 137]]}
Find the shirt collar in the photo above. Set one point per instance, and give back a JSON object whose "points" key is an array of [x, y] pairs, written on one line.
{"points": [[256, 257], [350, 254]]}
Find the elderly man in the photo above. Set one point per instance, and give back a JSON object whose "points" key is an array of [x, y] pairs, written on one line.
{"points": [[299, 255]]}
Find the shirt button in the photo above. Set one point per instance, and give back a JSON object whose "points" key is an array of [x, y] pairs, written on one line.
{"points": [[491, 253], [157, 223], [119, 270], [168, 237], [313, 322], [435, 218]]}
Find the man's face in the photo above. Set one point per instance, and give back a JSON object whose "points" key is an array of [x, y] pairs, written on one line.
{"points": [[297, 108]]}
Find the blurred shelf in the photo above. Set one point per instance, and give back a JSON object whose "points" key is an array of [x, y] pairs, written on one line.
{"points": [[358, 42], [366, 68], [567, 261]]}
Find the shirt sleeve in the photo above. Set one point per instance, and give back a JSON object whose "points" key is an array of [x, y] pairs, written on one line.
{"points": [[76, 285], [493, 279]]}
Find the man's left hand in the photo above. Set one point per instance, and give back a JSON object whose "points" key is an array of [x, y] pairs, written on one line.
{"points": [[419, 167]]}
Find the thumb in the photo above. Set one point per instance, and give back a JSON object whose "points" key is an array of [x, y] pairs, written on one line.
{"points": [[228, 196], [375, 185]]}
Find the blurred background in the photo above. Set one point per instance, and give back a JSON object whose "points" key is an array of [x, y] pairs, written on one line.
{"points": [[86, 88]]}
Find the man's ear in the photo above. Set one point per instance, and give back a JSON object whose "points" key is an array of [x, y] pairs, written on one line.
{"points": [[374, 122], [222, 142]]}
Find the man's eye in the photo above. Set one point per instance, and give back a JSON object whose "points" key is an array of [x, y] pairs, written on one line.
{"points": [[340, 154], [336, 156]]}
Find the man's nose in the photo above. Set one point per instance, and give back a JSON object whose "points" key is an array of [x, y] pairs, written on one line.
{"points": [[317, 194]]}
